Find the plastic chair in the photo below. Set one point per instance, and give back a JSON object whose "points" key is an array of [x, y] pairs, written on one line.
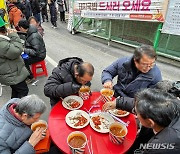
{"points": [[38, 65]]}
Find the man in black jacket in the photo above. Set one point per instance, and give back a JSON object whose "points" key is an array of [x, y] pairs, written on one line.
{"points": [[160, 112], [34, 45], [128, 104], [43, 7], [36, 9], [67, 78]]}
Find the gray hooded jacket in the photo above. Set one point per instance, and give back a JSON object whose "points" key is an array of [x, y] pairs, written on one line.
{"points": [[14, 134]]}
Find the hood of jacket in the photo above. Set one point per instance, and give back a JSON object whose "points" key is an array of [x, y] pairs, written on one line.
{"points": [[69, 63], [8, 116]]}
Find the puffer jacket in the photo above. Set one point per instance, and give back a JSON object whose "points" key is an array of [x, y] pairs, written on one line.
{"points": [[15, 15], [12, 68], [34, 44], [14, 134], [127, 86], [62, 82]]}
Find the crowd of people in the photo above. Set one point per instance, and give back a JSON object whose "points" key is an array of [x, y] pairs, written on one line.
{"points": [[20, 9], [139, 88]]}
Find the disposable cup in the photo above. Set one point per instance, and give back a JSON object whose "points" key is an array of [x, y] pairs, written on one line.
{"points": [[40, 123], [117, 132], [84, 92], [77, 141], [107, 94]]}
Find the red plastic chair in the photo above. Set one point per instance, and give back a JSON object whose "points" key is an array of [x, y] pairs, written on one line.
{"points": [[38, 65]]}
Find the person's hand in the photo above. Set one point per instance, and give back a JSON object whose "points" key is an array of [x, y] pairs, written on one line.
{"points": [[11, 31], [109, 106], [36, 136], [75, 87], [108, 84]]}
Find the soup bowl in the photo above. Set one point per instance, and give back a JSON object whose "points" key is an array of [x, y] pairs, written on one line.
{"points": [[117, 132], [40, 123], [77, 141], [107, 94], [84, 92]]}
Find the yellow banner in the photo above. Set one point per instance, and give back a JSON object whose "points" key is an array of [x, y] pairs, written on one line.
{"points": [[3, 5]]}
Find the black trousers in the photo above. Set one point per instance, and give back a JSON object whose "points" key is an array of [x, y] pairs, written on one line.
{"points": [[19, 90], [44, 13], [29, 61], [62, 16], [53, 15]]}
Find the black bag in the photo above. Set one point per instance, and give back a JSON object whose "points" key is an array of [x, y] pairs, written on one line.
{"points": [[175, 90]]}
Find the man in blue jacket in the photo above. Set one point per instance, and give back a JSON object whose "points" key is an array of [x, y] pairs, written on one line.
{"points": [[133, 73]]}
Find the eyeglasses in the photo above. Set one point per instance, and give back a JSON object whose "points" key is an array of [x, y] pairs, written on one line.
{"points": [[134, 111], [82, 80], [147, 65]]}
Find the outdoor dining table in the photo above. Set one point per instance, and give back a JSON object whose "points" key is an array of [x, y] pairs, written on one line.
{"points": [[59, 130]]}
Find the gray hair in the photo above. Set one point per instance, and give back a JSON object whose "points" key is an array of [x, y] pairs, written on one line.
{"points": [[85, 67], [161, 107], [31, 105], [144, 50]]}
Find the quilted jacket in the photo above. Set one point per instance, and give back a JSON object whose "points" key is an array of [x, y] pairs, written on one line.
{"points": [[62, 82], [34, 44], [14, 134], [12, 68]]}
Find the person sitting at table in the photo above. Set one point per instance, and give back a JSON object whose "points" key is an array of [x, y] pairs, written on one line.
{"points": [[13, 72], [133, 73], [159, 111], [126, 103], [145, 134], [67, 78], [16, 117], [34, 46]]}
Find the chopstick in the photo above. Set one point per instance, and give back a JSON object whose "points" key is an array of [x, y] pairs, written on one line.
{"points": [[91, 145], [97, 100], [88, 147], [126, 124]]}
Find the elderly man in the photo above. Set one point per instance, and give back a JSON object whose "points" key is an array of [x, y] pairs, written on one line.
{"points": [[67, 78], [15, 119], [159, 111], [133, 73], [148, 102]]}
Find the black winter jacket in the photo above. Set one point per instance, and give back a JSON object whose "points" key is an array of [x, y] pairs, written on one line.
{"points": [[62, 82], [34, 44], [166, 141], [35, 6]]}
